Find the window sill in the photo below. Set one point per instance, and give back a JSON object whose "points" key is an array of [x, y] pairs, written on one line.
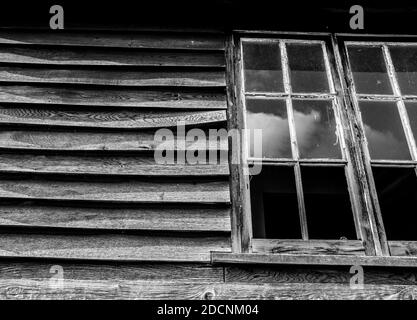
{"points": [[311, 259]]}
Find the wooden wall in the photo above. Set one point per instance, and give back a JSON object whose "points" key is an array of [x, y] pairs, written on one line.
{"points": [[80, 189]]}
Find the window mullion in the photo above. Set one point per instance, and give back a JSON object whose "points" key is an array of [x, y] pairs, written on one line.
{"points": [[294, 145]]}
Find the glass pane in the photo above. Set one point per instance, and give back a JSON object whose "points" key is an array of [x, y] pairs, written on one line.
{"points": [[327, 201], [369, 70], [412, 115], [397, 195], [405, 63], [307, 68], [274, 204], [384, 131], [262, 67], [271, 117], [316, 129]]}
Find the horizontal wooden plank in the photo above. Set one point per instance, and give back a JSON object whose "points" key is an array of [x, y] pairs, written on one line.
{"points": [[105, 165], [317, 274], [126, 191], [112, 97], [115, 40], [337, 247], [107, 77], [403, 248], [111, 247], [96, 57], [89, 270], [138, 218], [104, 141], [161, 290], [312, 259], [108, 119]]}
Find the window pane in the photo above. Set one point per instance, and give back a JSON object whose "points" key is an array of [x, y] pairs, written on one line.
{"points": [[274, 204], [262, 67], [307, 68], [327, 201], [412, 115], [405, 63], [397, 195], [384, 131], [316, 129], [369, 70], [271, 117]]}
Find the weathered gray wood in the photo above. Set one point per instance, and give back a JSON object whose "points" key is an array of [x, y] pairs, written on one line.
{"points": [[110, 289], [111, 247], [403, 248], [41, 269], [318, 274], [94, 57], [112, 97], [332, 247], [311, 259], [138, 218], [113, 77], [108, 165], [93, 141], [126, 191], [115, 40], [108, 119]]}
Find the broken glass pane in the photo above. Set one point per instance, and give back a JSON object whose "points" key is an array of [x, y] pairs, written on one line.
{"points": [[307, 68], [262, 67], [369, 70], [412, 115], [316, 129], [269, 115], [384, 130]]}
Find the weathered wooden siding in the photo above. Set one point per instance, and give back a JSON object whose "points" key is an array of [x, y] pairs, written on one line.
{"points": [[78, 113]]}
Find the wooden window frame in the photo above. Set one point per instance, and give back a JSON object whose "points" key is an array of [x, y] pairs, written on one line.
{"points": [[373, 246]]}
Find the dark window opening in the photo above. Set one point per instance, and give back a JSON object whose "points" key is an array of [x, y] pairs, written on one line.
{"points": [[397, 194]]}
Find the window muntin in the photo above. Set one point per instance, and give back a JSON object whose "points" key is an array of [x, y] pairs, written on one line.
{"points": [[312, 126]]}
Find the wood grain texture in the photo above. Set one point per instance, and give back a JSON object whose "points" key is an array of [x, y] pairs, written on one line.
{"points": [[111, 247], [126, 191], [311, 259], [88, 289], [108, 119], [403, 248], [180, 78], [40, 269], [105, 165], [104, 141], [112, 97], [137, 218], [337, 247], [96, 57], [318, 274], [115, 40]]}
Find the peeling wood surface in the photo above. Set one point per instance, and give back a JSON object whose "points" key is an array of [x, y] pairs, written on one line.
{"points": [[112, 247], [115, 40], [331, 247], [120, 77]]}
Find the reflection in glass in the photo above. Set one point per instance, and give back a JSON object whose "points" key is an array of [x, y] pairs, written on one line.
{"points": [[397, 195], [327, 201], [271, 117], [384, 131], [316, 129], [405, 64], [262, 67], [412, 116], [369, 70], [274, 204], [307, 68]]}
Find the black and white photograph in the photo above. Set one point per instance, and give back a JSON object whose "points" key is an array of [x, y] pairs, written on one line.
{"points": [[229, 151]]}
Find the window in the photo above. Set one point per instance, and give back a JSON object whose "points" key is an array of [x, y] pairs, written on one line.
{"points": [[339, 156]]}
